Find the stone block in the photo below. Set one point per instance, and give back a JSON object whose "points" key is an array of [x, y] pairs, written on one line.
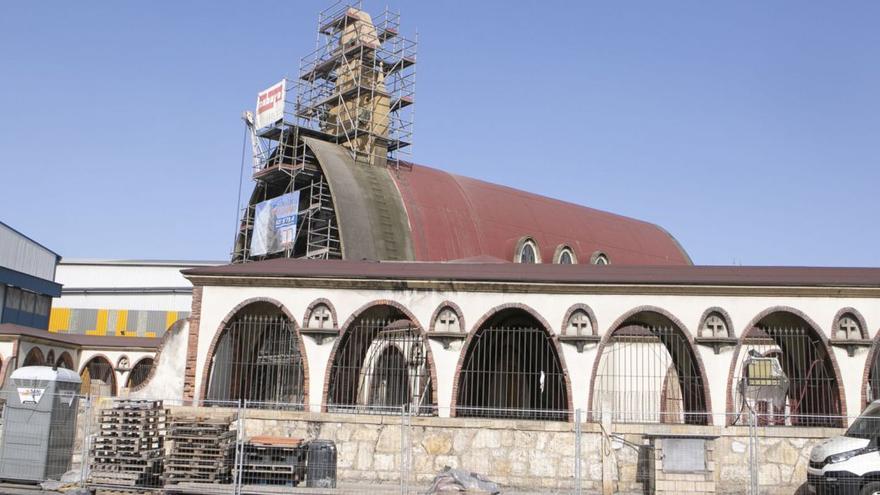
{"points": [[437, 444], [487, 439], [738, 447], [442, 461], [384, 462], [364, 459], [365, 432], [461, 440], [542, 464], [782, 453], [389, 440], [768, 474]]}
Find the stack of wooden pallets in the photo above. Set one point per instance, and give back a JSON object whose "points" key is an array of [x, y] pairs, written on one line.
{"points": [[273, 461], [200, 450], [127, 453]]}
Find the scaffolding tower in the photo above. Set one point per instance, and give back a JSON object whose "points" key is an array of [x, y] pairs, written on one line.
{"points": [[356, 89]]}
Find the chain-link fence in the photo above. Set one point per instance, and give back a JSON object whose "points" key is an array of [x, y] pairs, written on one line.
{"points": [[66, 441]]}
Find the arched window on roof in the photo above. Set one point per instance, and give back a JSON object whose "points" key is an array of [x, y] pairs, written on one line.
{"points": [[564, 256], [600, 258], [527, 251]]}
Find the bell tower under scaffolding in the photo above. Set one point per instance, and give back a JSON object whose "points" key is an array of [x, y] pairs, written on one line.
{"points": [[355, 90]]}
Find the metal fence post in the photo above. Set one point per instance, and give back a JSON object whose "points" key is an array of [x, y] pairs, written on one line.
{"points": [[239, 449], [84, 455], [577, 452], [753, 452], [404, 450]]}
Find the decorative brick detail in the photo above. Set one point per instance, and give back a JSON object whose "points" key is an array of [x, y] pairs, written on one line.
{"points": [[724, 315], [206, 372], [454, 307], [855, 314], [308, 314], [823, 338], [174, 328], [348, 324], [586, 309], [547, 329], [192, 345], [677, 325]]}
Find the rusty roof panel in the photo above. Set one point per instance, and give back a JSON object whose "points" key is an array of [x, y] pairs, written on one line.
{"points": [[550, 273], [456, 217]]}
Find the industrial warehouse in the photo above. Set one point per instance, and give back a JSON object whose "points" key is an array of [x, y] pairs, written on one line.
{"points": [[388, 327]]}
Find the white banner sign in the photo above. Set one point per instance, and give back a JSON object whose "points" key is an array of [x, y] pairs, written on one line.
{"points": [[270, 105], [275, 224]]}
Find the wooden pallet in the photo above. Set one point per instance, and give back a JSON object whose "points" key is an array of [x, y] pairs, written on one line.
{"points": [[127, 455], [200, 449]]}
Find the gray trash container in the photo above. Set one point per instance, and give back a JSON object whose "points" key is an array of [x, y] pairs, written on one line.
{"points": [[39, 423], [321, 464]]}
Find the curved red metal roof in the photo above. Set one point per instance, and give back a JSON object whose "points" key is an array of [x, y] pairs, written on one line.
{"points": [[453, 217]]}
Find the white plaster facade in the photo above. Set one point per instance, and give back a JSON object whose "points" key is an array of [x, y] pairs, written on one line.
{"points": [[218, 301]]}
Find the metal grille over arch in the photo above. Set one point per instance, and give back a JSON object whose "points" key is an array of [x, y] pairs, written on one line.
{"points": [[797, 363], [34, 357], [648, 372], [258, 358], [382, 365], [511, 369], [98, 377], [139, 373]]}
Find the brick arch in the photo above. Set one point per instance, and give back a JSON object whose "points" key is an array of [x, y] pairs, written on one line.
{"points": [[115, 385], [175, 327], [813, 326], [679, 326], [872, 354], [586, 309], [547, 329], [326, 302], [149, 373], [454, 307], [34, 357], [432, 367], [724, 314], [65, 358], [206, 369], [855, 313]]}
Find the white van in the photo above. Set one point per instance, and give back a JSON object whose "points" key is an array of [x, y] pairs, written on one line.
{"points": [[849, 463]]}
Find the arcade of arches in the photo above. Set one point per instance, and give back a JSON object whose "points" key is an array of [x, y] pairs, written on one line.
{"points": [[642, 366]]}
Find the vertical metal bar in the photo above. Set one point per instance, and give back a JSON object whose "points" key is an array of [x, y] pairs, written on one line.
{"points": [[404, 441], [577, 452], [237, 467], [84, 463], [753, 453]]}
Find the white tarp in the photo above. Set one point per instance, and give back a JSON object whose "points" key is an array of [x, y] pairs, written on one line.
{"points": [[275, 224], [270, 105]]}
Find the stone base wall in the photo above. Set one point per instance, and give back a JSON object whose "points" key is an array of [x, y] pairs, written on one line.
{"points": [[540, 456]]}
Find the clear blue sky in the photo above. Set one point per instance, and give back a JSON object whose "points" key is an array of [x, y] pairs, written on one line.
{"points": [[748, 129]]}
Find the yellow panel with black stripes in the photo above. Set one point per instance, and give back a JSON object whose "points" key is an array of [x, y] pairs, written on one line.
{"points": [[113, 322]]}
